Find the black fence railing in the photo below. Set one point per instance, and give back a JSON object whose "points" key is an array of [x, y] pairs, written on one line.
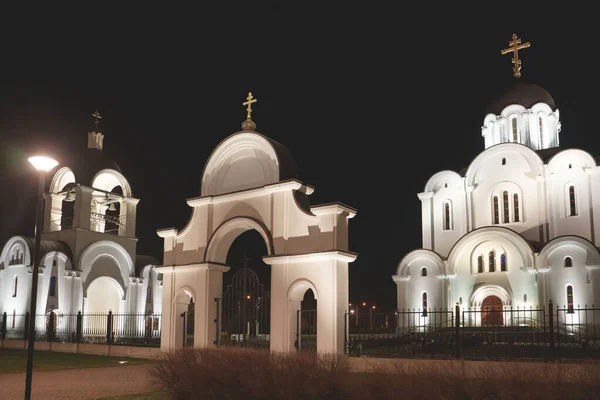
{"points": [[114, 329], [495, 332]]}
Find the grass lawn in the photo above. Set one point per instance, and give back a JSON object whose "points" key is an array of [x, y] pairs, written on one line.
{"points": [[15, 360], [156, 395]]}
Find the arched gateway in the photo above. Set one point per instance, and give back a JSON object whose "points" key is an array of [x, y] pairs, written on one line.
{"points": [[249, 183]]}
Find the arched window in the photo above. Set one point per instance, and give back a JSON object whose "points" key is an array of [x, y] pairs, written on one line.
{"points": [[424, 304], [568, 262], [447, 216], [15, 285], [503, 262], [515, 129], [496, 211], [423, 271], [14, 318], [506, 207], [492, 261], [480, 264], [52, 289], [541, 127], [570, 308], [572, 204], [504, 161], [149, 294], [516, 207]]}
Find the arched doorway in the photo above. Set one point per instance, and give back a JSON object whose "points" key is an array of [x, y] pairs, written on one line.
{"points": [[185, 326], [306, 331], [103, 295], [244, 308], [491, 311]]}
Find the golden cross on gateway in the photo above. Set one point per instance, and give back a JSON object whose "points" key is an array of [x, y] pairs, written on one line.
{"points": [[515, 46], [97, 116], [248, 103]]}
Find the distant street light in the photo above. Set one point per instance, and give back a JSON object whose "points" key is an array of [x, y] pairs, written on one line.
{"points": [[43, 165]]}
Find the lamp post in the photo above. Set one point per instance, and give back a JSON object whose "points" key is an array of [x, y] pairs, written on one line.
{"points": [[42, 165]]}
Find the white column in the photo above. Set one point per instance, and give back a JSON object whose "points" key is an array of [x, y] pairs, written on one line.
{"points": [[83, 207], [209, 286], [53, 212], [127, 217]]}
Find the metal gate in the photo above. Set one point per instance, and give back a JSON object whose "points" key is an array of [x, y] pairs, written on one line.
{"points": [[306, 330], [244, 312]]}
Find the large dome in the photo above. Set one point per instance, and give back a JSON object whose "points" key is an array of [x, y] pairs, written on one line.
{"points": [[525, 94]]}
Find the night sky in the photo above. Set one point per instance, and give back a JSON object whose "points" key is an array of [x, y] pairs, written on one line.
{"points": [[370, 102]]}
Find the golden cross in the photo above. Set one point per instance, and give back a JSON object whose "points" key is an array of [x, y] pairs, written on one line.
{"points": [[97, 116], [248, 103], [515, 46]]}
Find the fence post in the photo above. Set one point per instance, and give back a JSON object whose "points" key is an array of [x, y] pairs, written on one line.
{"points": [[78, 327], [3, 329], [457, 327], [27, 322], [50, 333], [345, 331], [551, 323], [109, 322]]}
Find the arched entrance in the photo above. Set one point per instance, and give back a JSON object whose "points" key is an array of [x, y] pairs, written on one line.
{"points": [[104, 295], [249, 183], [491, 311], [306, 330], [184, 313]]}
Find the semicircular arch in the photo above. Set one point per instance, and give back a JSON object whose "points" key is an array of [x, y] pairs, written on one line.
{"points": [[222, 238], [298, 288], [97, 255], [569, 240], [418, 255], [471, 240], [108, 179], [62, 178]]}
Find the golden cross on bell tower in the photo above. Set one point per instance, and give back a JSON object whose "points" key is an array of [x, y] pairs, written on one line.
{"points": [[515, 46], [98, 117], [248, 103]]}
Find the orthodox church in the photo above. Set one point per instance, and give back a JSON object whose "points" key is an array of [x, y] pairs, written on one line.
{"points": [[519, 227], [88, 260]]}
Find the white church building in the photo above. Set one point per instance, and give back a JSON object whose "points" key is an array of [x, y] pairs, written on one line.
{"points": [[88, 260], [518, 228]]}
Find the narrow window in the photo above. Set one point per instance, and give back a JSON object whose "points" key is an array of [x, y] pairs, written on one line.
{"points": [[572, 206], [445, 185], [480, 264], [149, 295], [15, 286], [492, 261], [496, 211], [423, 271], [568, 262], [503, 262], [447, 217], [516, 206], [14, 318], [541, 124], [424, 304], [504, 161], [515, 132], [506, 207], [570, 308], [52, 289], [570, 166]]}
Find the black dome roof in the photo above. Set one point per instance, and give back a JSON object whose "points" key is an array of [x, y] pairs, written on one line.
{"points": [[525, 94]]}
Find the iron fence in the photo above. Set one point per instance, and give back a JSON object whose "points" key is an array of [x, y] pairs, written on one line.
{"points": [[501, 332], [115, 329]]}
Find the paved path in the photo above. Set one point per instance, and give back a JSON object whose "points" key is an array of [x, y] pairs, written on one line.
{"points": [[79, 384]]}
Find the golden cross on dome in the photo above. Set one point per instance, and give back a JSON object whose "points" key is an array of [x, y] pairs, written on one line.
{"points": [[248, 103], [515, 46], [97, 116]]}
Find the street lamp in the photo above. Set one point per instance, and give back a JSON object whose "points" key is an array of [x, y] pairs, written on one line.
{"points": [[43, 165]]}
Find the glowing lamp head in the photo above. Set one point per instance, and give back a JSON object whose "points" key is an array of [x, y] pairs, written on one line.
{"points": [[42, 163]]}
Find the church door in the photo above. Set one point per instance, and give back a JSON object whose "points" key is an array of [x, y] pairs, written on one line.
{"points": [[491, 311]]}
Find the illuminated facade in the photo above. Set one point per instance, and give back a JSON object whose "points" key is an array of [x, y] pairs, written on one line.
{"points": [[520, 225], [250, 183], [88, 247]]}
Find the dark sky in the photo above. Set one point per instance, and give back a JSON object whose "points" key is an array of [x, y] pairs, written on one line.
{"points": [[370, 101]]}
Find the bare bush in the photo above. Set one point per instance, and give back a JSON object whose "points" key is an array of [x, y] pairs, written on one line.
{"points": [[192, 374]]}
